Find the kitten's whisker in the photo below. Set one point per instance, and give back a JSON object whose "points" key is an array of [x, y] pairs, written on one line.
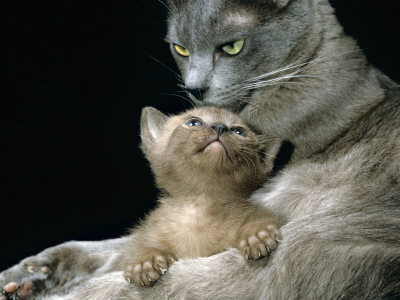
{"points": [[248, 159], [245, 159], [252, 152]]}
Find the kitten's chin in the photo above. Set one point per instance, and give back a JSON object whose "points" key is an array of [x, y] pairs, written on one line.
{"points": [[213, 147]]}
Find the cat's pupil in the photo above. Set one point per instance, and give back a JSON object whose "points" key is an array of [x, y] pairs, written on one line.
{"points": [[194, 122], [238, 131]]}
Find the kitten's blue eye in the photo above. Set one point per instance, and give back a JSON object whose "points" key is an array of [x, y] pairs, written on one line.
{"points": [[194, 122], [238, 131]]}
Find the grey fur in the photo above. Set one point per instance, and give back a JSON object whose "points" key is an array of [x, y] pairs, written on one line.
{"points": [[339, 194]]}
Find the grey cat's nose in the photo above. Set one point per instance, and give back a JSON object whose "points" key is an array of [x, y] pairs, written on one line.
{"points": [[219, 128], [197, 93]]}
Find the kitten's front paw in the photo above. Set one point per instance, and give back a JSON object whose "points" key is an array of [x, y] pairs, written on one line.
{"points": [[257, 240], [148, 267]]}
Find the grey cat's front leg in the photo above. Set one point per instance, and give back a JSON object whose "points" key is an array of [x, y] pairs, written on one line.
{"points": [[59, 268], [222, 276]]}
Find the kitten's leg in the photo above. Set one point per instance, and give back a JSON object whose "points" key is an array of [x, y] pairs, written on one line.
{"points": [[148, 267], [257, 239], [54, 268]]}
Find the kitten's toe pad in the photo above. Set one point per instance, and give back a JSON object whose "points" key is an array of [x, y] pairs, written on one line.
{"points": [[148, 267], [258, 240]]}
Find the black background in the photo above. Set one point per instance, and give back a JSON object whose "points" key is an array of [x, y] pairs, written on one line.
{"points": [[75, 76]]}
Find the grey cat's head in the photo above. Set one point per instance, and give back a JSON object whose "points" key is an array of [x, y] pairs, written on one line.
{"points": [[221, 46]]}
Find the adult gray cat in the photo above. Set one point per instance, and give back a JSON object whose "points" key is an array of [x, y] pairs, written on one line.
{"points": [[285, 66]]}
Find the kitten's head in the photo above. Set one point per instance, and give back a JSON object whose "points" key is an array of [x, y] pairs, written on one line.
{"points": [[221, 46], [206, 149]]}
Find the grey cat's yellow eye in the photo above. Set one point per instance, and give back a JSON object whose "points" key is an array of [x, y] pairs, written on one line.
{"points": [[239, 131], [194, 122], [181, 50], [233, 48]]}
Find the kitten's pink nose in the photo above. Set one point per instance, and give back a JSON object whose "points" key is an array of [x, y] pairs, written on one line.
{"points": [[219, 128]]}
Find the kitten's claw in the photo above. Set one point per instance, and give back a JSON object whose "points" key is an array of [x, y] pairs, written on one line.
{"points": [[148, 267], [257, 240], [128, 278], [162, 271]]}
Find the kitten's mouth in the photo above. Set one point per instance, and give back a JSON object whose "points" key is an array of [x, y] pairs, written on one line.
{"points": [[213, 143], [214, 146]]}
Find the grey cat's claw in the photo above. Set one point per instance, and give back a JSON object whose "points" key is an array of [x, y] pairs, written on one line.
{"points": [[31, 268]]}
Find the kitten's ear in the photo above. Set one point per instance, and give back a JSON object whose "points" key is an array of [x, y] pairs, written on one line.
{"points": [[152, 122], [270, 146]]}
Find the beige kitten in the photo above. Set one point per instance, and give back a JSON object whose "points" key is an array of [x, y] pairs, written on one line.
{"points": [[207, 162]]}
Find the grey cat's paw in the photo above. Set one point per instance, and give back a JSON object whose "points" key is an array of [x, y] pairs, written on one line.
{"points": [[33, 277], [257, 240], [148, 267], [23, 281]]}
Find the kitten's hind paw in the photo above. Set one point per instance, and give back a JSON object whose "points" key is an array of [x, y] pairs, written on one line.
{"points": [[257, 240], [148, 267]]}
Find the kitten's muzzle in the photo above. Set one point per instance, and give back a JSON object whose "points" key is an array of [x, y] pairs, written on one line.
{"points": [[219, 128]]}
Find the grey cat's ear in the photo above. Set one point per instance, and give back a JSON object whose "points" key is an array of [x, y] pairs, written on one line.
{"points": [[270, 146], [151, 123]]}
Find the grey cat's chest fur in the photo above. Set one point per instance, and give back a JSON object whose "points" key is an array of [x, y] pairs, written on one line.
{"points": [[360, 169]]}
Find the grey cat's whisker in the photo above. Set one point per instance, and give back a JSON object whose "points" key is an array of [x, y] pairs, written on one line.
{"points": [[182, 97], [277, 80], [306, 65], [161, 63], [262, 84], [275, 72], [165, 5], [290, 75], [285, 68], [248, 101]]}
